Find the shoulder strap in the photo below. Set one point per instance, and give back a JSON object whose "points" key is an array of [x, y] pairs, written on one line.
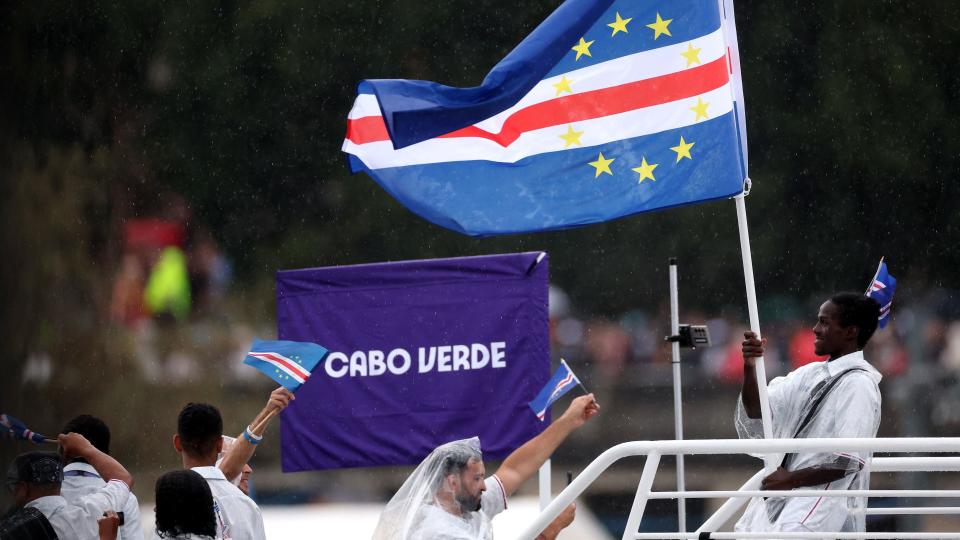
{"points": [[818, 399], [819, 395]]}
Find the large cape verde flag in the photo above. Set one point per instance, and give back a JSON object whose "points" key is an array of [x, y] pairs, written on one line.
{"points": [[607, 109]]}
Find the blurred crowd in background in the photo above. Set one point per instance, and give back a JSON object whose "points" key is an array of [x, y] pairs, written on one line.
{"points": [[174, 278]]}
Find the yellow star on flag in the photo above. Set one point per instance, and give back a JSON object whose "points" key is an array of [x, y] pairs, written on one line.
{"points": [[619, 25], [683, 149], [563, 85], [692, 55], [602, 165], [660, 27], [582, 48], [701, 109], [571, 137], [646, 170]]}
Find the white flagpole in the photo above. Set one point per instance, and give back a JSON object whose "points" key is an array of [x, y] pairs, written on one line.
{"points": [[546, 494], [736, 84], [769, 460], [677, 401]]}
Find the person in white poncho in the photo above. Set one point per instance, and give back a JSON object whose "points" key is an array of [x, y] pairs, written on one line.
{"points": [[448, 498], [838, 397]]}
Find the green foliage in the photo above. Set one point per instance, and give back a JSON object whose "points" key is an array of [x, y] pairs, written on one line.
{"points": [[53, 223]]}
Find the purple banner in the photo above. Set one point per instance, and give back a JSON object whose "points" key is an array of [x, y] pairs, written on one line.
{"points": [[422, 353]]}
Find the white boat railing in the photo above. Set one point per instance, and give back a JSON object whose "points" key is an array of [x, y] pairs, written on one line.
{"points": [[654, 450]]}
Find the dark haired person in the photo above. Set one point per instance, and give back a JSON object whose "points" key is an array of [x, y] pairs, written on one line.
{"points": [[81, 479], [448, 496], [199, 440], [34, 482], [184, 507], [838, 397]]}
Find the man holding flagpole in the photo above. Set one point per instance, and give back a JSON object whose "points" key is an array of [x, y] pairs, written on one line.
{"points": [[237, 454], [199, 440], [838, 397], [290, 364], [448, 498]]}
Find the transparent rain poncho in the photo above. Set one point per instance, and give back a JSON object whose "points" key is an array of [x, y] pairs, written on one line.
{"points": [[228, 442], [851, 408], [417, 511]]}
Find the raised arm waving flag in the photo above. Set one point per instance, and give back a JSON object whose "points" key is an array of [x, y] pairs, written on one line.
{"points": [[562, 382], [607, 109], [290, 363]]}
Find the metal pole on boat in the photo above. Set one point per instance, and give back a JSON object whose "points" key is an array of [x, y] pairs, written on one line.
{"points": [[543, 481], [677, 401]]}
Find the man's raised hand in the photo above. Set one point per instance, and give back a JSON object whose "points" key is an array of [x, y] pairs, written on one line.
{"points": [[279, 399], [74, 445], [580, 410]]}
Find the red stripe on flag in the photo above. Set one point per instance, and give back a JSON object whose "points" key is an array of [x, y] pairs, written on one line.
{"points": [[292, 366], [575, 108], [565, 382], [367, 129]]}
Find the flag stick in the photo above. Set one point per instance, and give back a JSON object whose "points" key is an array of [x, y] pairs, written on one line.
{"points": [[264, 421], [580, 384], [874, 278], [770, 461], [45, 440]]}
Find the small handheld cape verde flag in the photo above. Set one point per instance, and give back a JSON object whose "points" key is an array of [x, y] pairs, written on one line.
{"points": [[287, 362], [881, 289], [558, 385], [607, 109], [16, 429]]}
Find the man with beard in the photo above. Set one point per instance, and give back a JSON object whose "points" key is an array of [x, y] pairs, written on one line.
{"points": [[838, 397], [448, 498]]}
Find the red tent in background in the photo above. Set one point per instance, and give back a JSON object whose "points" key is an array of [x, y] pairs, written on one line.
{"points": [[153, 233], [801, 348]]}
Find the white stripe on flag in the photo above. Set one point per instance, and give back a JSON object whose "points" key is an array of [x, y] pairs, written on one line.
{"points": [[614, 72], [729, 25], [299, 375], [294, 365], [596, 132], [565, 382]]}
